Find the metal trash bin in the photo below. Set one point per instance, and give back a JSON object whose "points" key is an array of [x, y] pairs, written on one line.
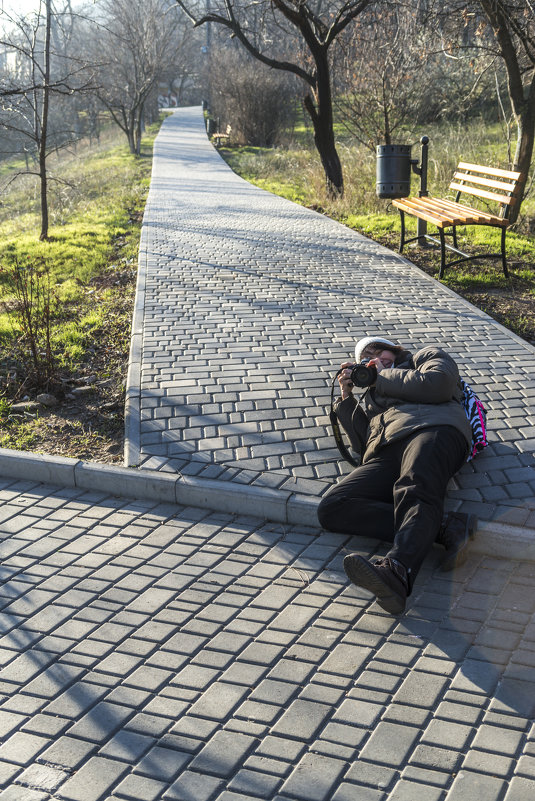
{"points": [[393, 171]]}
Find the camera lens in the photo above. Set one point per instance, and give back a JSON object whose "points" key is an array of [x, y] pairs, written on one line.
{"points": [[363, 376]]}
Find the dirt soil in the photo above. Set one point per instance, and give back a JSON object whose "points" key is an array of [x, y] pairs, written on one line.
{"points": [[87, 420]]}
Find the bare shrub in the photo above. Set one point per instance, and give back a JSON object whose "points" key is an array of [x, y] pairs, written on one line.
{"points": [[258, 103], [31, 306]]}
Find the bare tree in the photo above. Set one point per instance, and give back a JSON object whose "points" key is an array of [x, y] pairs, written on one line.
{"points": [[382, 80], [142, 41], [30, 84], [295, 36], [504, 31]]}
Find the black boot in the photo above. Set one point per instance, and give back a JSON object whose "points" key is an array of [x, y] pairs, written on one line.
{"points": [[386, 578], [455, 534]]}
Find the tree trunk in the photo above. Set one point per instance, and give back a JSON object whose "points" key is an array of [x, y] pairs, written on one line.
{"points": [[321, 114], [139, 130], [522, 97], [525, 124], [44, 126]]}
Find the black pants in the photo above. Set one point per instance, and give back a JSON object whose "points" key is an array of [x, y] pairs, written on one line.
{"points": [[398, 496]]}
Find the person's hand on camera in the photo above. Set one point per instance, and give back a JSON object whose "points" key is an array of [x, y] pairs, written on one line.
{"points": [[344, 379], [377, 363]]}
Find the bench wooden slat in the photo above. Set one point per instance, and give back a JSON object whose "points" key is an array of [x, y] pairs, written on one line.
{"points": [[453, 206], [437, 205], [412, 206], [443, 213], [454, 215], [508, 201], [476, 179], [463, 165]]}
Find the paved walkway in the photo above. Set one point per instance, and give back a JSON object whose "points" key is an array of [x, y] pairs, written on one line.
{"points": [[248, 303], [153, 652], [160, 643]]}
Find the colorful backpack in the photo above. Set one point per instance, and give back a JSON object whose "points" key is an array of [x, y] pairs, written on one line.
{"points": [[477, 415]]}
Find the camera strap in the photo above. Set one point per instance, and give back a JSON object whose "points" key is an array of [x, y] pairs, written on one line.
{"points": [[335, 425]]}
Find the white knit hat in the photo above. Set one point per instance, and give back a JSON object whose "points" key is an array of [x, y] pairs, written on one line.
{"points": [[362, 344]]}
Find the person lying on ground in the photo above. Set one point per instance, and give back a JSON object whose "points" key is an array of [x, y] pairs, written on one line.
{"points": [[413, 435]]}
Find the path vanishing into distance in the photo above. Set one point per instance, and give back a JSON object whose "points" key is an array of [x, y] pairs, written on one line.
{"points": [[248, 303]]}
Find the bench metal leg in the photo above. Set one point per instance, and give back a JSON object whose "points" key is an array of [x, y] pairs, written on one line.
{"points": [[454, 235], [402, 235], [442, 253], [504, 260]]}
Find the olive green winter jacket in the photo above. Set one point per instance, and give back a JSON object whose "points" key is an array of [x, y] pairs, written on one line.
{"points": [[418, 392]]}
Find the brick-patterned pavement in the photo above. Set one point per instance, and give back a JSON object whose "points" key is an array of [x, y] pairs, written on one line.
{"points": [[151, 652], [248, 303]]}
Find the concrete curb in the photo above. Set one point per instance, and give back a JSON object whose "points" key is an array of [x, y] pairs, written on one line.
{"points": [[277, 506], [241, 499], [132, 405]]}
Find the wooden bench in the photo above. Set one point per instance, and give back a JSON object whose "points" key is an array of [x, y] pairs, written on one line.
{"points": [[486, 183], [218, 136]]}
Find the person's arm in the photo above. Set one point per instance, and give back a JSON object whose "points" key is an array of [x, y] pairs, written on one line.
{"points": [[433, 380], [352, 418]]}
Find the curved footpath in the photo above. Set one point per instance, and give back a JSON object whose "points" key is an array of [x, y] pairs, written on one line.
{"points": [[247, 304], [183, 631]]}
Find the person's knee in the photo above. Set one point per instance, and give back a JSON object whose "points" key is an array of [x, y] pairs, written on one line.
{"points": [[328, 512]]}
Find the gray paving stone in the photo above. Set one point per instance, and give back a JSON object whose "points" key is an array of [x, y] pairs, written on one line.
{"points": [[46, 725], [390, 743], [346, 659], [358, 713], [302, 720], [93, 780], [10, 722], [163, 763], [42, 777], [249, 782], [475, 785], [7, 774], [219, 700], [67, 752], [18, 793], [101, 722], [149, 725], [447, 734], [222, 754], [193, 787], [519, 789], [526, 766], [349, 792], [497, 739], [140, 788], [127, 746], [22, 748], [483, 762], [314, 778]]}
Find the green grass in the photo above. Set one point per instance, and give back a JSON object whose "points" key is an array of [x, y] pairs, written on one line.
{"points": [[95, 224], [296, 169]]}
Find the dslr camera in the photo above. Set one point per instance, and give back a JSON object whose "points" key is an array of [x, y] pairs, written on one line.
{"points": [[362, 375]]}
